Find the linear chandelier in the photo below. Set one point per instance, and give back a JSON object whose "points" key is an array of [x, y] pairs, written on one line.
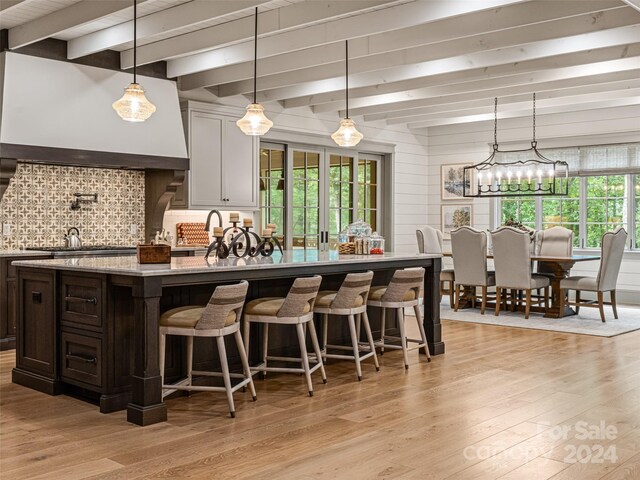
{"points": [[134, 105], [347, 135], [516, 173], [255, 122]]}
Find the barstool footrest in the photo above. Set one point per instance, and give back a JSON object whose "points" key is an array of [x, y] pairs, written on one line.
{"points": [[347, 357]]}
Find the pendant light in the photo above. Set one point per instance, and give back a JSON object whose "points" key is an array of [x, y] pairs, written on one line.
{"points": [[255, 121], [134, 106], [347, 135], [515, 173]]}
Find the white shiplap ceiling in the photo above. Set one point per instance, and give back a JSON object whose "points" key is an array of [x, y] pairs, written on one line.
{"points": [[415, 62]]}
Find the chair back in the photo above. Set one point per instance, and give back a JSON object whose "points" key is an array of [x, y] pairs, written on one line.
{"points": [[225, 300], [302, 293], [402, 282], [355, 285], [612, 250], [555, 241], [512, 258], [429, 240], [469, 249]]}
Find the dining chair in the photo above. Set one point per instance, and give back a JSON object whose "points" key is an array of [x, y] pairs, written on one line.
{"points": [[219, 318], [295, 309], [349, 302], [612, 251], [555, 241], [512, 262], [469, 249], [430, 241]]}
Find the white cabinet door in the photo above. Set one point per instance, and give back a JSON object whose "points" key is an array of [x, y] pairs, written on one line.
{"points": [[239, 167], [205, 179]]}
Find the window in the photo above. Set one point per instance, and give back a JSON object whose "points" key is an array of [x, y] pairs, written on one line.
{"points": [[604, 194], [606, 206], [564, 211], [272, 189], [314, 193]]}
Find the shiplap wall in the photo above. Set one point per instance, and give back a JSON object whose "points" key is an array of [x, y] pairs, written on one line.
{"points": [[470, 143]]}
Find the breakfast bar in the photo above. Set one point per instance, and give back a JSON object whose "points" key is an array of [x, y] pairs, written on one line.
{"points": [[90, 325]]}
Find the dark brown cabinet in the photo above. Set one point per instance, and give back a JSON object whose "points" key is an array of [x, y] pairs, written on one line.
{"points": [[9, 300]]}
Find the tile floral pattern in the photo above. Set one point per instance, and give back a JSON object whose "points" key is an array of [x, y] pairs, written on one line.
{"points": [[37, 206]]}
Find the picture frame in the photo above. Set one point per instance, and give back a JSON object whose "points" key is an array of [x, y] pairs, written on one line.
{"points": [[452, 181], [454, 216]]}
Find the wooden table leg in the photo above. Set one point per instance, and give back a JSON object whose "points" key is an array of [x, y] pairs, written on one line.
{"points": [[558, 307], [146, 407], [431, 320]]}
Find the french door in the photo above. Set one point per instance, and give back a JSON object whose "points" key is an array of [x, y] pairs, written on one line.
{"points": [[324, 191]]}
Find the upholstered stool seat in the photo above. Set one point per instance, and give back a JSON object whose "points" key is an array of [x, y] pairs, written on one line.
{"points": [[217, 319], [402, 292], [349, 301], [447, 276], [294, 309], [430, 241]]}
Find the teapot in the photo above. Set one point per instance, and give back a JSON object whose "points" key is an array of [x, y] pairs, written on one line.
{"points": [[72, 238]]}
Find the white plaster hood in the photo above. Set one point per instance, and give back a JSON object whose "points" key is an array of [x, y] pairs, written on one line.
{"points": [[66, 108]]}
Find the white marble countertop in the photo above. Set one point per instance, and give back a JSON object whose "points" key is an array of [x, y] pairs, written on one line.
{"points": [[24, 253], [128, 265]]}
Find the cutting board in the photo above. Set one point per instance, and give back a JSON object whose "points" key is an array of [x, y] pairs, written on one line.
{"points": [[193, 233]]}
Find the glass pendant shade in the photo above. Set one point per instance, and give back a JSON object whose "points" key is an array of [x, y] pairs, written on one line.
{"points": [[254, 121], [134, 105], [347, 135]]}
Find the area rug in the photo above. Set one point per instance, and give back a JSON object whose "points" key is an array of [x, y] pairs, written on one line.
{"points": [[587, 322]]}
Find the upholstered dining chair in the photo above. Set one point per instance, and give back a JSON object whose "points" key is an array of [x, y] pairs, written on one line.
{"points": [[512, 262], [611, 258], [349, 301], [553, 242], [403, 291], [469, 248], [430, 241], [295, 309], [219, 318]]}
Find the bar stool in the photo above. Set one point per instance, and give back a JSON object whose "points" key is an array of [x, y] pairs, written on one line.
{"points": [[295, 309], [219, 318], [350, 301], [403, 291]]}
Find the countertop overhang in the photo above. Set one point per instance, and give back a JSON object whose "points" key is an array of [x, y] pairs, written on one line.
{"points": [[304, 260]]}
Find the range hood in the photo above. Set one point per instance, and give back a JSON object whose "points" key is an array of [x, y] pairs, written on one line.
{"points": [[60, 112]]}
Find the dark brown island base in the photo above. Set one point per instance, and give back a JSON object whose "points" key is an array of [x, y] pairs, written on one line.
{"points": [[89, 326]]}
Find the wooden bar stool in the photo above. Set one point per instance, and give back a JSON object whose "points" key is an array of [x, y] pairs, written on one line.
{"points": [[350, 301], [295, 309], [403, 291], [219, 318]]}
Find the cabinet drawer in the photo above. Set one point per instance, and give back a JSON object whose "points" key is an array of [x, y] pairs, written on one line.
{"points": [[81, 300], [82, 358]]}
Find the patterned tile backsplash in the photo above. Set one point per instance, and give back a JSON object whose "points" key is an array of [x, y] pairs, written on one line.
{"points": [[37, 206]]}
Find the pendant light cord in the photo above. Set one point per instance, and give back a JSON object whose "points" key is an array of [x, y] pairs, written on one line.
{"points": [[255, 58], [346, 76], [534, 118], [135, 35], [495, 122]]}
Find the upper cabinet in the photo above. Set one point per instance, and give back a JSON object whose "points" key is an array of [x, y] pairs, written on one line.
{"points": [[224, 161]]}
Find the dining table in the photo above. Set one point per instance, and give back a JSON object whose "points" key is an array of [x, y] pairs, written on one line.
{"points": [[560, 266]]}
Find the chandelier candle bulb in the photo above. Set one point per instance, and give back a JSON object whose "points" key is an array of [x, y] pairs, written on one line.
{"points": [[234, 217], [519, 175], [539, 173], [217, 231]]}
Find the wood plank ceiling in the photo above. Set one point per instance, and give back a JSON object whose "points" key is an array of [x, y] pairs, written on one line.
{"points": [[420, 63]]}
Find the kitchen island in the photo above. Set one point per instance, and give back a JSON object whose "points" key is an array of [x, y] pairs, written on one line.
{"points": [[91, 324]]}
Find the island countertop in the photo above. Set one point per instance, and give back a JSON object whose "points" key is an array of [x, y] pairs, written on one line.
{"points": [[188, 265]]}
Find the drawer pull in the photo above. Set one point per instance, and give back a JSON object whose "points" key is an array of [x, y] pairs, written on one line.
{"points": [[82, 358], [93, 300]]}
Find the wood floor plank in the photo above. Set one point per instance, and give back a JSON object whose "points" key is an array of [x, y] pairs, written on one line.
{"points": [[499, 390]]}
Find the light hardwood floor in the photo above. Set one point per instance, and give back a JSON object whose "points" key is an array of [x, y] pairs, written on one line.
{"points": [[491, 407]]}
